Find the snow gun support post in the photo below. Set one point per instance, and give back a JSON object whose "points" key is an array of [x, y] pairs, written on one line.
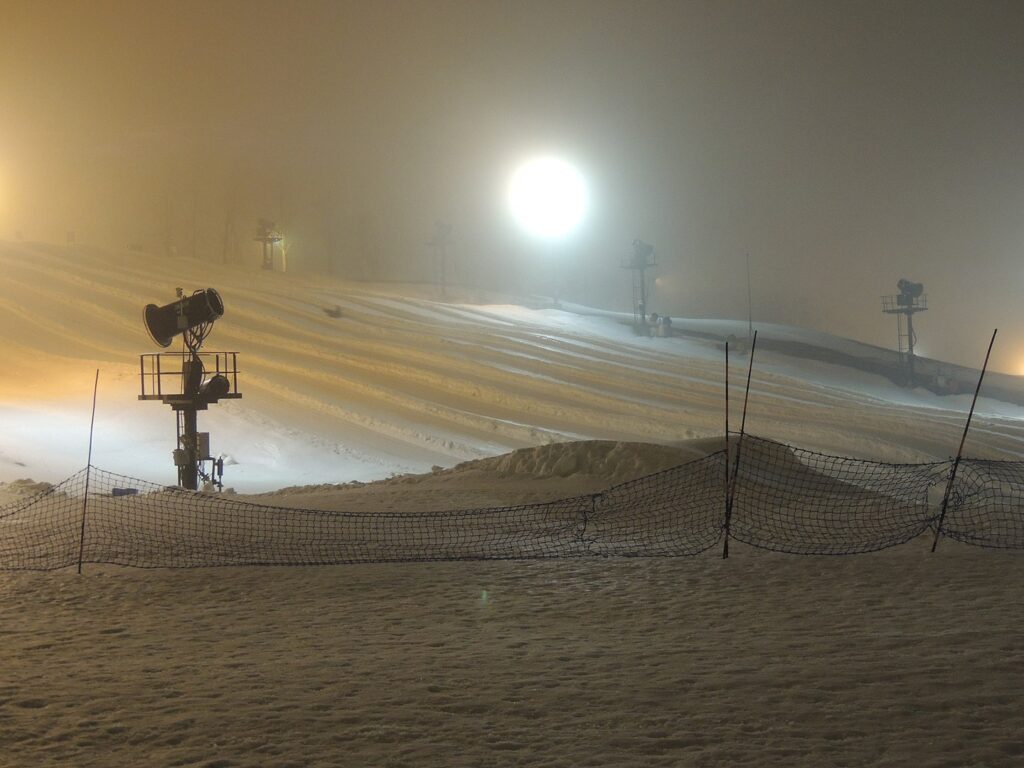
{"points": [[642, 258], [910, 300], [189, 381]]}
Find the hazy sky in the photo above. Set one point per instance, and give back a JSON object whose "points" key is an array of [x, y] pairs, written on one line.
{"points": [[842, 144]]}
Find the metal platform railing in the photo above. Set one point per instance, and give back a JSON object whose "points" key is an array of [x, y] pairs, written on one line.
{"points": [[162, 376]]}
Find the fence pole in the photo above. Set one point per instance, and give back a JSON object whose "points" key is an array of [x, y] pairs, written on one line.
{"points": [[725, 495], [739, 442], [963, 439], [88, 472], [587, 514]]}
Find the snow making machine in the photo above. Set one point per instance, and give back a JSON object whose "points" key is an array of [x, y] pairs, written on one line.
{"points": [[189, 380]]}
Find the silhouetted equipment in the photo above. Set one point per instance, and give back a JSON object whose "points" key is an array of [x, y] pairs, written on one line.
{"points": [[908, 291], [191, 380], [266, 233], [642, 259], [187, 313], [910, 300], [214, 388]]}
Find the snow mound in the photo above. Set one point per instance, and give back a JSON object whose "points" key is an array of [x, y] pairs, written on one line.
{"points": [[17, 490], [24, 487], [612, 460]]}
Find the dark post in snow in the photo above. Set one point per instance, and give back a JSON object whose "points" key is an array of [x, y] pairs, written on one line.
{"points": [[730, 496], [960, 450], [725, 527], [88, 472]]}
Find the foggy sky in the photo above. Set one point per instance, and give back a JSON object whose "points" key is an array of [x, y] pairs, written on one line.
{"points": [[842, 144]]}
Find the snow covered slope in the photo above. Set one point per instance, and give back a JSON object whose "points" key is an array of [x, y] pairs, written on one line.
{"points": [[346, 381]]}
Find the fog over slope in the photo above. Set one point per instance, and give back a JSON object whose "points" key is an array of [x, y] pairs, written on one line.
{"points": [[402, 381]]}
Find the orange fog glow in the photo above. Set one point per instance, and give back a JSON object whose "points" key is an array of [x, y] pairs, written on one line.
{"points": [[32, 376]]}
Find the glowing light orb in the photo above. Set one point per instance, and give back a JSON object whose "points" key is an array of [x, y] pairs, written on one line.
{"points": [[547, 197]]}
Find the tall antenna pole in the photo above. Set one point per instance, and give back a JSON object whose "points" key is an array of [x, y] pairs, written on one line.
{"points": [[960, 450], [750, 310]]}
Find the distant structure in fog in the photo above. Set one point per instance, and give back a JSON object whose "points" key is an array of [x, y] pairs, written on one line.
{"points": [[910, 300], [439, 242], [266, 233], [642, 259]]}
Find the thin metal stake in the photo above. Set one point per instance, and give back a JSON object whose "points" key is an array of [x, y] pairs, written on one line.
{"points": [[963, 439], [88, 472], [739, 442], [750, 302], [726, 489]]}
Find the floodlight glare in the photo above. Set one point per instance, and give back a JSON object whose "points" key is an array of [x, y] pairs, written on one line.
{"points": [[166, 322], [547, 197]]}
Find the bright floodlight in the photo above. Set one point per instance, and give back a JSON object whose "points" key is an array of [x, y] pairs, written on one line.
{"points": [[548, 197]]}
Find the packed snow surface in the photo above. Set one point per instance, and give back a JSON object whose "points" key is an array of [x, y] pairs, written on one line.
{"points": [[350, 382]]}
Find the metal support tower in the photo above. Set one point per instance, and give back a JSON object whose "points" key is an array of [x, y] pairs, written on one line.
{"points": [[910, 300], [642, 259], [267, 234], [182, 381]]}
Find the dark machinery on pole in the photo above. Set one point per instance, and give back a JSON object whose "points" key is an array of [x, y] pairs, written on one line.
{"points": [[266, 233], [191, 380], [642, 259], [910, 300]]}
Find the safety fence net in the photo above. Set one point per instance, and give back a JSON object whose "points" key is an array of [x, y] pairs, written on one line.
{"points": [[784, 499]]}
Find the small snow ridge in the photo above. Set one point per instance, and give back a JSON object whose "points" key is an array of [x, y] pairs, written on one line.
{"points": [[17, 490], [614, 461], [24, 487]]}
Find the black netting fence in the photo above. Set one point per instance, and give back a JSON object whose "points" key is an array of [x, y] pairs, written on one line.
{"points": [[792, 500], [986, 505], [785, 499]]}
